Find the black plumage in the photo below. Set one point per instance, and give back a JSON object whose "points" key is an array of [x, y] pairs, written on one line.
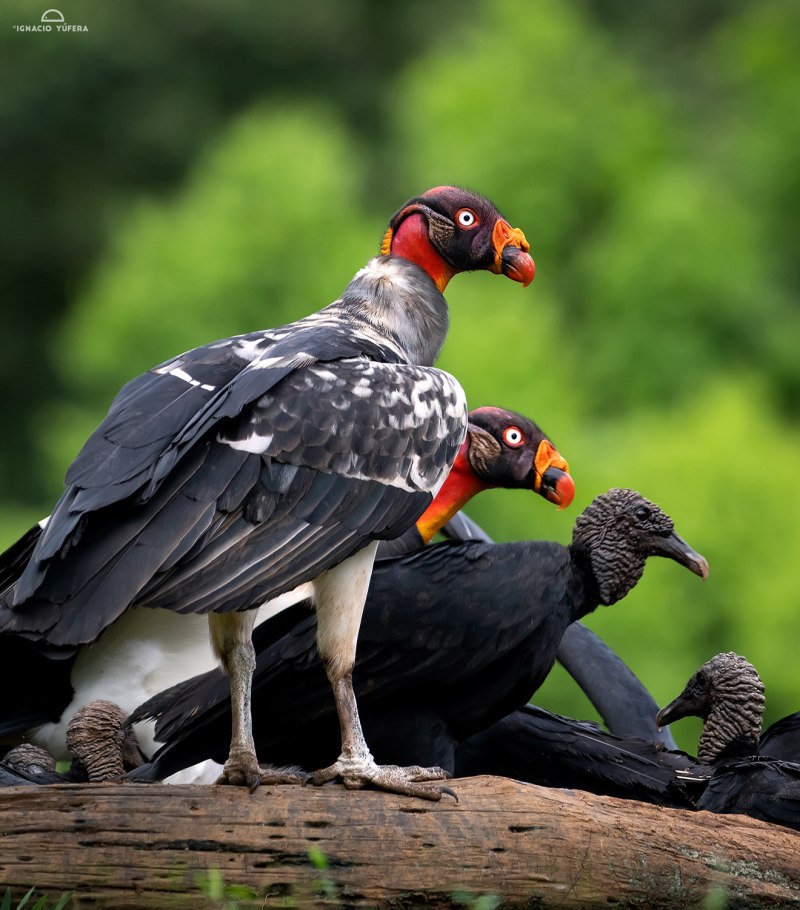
{"points": [[626, 706], [12, 777], [728, 694], [542, 748], [207, 488], [763, 788], [782, 739], [453, 638]]}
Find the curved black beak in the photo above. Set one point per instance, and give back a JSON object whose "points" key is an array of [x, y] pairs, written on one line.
{"points": [[675, 547], [688, 704]]}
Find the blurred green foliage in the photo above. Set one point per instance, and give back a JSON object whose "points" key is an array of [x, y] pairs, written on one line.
{"points": [[221, 170]]}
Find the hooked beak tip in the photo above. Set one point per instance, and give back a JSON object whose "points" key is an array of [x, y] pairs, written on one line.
{"points": [[558, 487], [518, 265]]}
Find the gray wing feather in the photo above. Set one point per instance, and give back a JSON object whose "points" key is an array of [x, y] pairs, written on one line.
{"points": [[331, 456]]}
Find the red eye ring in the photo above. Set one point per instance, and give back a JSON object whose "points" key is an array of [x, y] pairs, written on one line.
{"points": [[513, 436], [466, 218]]}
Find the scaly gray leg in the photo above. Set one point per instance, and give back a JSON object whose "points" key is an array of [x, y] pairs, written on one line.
{"points": [[231, 640], [340, 595]]}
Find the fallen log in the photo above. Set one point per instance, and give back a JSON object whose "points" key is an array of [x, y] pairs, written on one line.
{"points": [[139, 846]]}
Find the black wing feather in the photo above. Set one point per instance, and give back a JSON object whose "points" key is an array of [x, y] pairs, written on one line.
{"points": [[536, 746], [782, 739], [761, 788]]}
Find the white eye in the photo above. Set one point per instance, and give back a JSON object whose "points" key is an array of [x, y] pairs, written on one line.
{"points": [[512, 436], [466, 218]]}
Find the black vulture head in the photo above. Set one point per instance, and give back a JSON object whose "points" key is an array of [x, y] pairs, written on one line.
{"points": [[102, 741], [618, 531], [450, 230], [29, 759], [728, 694]]}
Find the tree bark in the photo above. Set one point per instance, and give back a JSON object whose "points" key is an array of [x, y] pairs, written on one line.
{"points": [[148, 846]]}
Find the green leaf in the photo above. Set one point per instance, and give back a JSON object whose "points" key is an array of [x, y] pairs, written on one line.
{"points": [[25, 899]]}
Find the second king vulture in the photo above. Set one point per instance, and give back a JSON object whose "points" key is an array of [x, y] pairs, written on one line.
{"points": [[238, 470], [147, 650]]}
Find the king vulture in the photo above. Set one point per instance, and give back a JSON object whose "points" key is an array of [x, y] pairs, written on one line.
{"points": [[236, 471]]}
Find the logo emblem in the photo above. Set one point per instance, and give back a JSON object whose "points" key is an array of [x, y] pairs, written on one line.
{"points": [[52, 20]]}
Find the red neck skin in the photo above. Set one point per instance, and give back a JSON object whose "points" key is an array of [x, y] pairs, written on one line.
{"points": [[411, 241], [461, 485]]}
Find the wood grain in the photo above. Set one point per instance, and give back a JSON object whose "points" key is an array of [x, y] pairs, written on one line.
{"points": [[147, 846]]}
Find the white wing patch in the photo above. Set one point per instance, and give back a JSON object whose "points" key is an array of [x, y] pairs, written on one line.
{"points": [[394, 423], [181, 374], [252, 443], [300, 359]]}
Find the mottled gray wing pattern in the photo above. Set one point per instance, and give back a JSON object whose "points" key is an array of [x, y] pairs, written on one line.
{"points": [[399, 424], [333, 456], [159, 416]]}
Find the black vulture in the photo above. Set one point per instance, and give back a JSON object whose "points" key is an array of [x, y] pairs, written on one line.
{"points": [[101, 744], [454, 637], [28, 763], [236, 471], [145, 650], [728, 694], [625, 705]]}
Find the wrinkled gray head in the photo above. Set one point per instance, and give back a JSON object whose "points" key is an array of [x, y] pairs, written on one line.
{"points": [[728, 694], [618, 531], [102, 742], [29, 759]]}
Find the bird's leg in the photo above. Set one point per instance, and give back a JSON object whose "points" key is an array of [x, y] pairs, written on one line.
{"points": [[231, 639], [354, 746], [340, 595]]}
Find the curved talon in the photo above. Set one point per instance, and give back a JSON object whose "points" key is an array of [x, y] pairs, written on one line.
{"points": [[239, 777], [449, 791], [239, 774], [241, 770]]}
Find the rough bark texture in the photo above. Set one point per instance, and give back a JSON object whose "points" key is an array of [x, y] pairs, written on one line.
{"points": [[125, 846]]}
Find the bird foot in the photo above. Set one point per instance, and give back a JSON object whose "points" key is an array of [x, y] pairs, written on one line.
{"points": [[243, 770], [407, 781]]}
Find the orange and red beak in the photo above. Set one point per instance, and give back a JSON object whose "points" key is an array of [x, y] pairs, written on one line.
{"points": [[553, 480], [511, 256]]}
